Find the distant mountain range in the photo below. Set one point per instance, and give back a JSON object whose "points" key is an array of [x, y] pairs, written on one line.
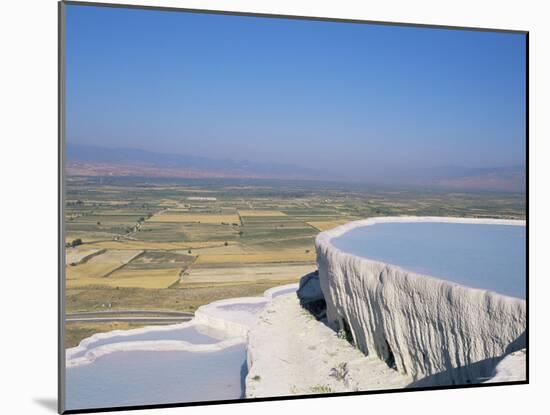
{"points": [[507, 179], [87, 160], [99, 161]]}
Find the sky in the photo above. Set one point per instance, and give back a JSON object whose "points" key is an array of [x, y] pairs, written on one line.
{"points": [[359, 99]]}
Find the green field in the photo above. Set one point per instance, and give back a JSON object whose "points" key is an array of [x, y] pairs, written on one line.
{"points": [[160, 245]]}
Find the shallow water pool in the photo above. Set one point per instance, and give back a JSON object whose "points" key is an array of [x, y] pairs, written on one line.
{"points": [[129, 377], [486, 256], [194, 334], [157, 377]]}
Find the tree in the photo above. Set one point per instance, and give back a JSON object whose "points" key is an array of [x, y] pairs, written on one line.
{"points": [[76, 242]]}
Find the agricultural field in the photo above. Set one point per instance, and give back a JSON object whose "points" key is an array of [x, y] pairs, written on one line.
{"points": [[261, 213], [326, 225], [79, 254], [176, 216], [174, 245], [249, 272], [100, 266]]}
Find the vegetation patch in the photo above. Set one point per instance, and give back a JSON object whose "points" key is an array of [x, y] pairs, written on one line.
{"points": [[321, 389]]}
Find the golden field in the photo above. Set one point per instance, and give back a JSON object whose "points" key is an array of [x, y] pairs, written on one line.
{"points": [[154, 245], [80, 253], [131, 278], [101, 265], [326, 225], [249, 273], [194, 217], [222, 249], [257, 257], [259, 212]]}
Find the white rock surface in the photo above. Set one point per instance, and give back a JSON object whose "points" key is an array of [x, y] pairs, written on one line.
{"points": [[230, 315], [233, 317], [291, 353], [511, 369], [433, 329]]}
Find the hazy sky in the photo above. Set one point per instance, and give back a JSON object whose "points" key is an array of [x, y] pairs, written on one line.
{"points": [[368, 98]]}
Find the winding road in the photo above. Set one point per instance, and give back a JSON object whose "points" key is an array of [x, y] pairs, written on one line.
{"points": [[130, 316]]}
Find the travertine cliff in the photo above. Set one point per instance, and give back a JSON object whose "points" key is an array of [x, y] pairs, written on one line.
{"points": [[435, 331]]}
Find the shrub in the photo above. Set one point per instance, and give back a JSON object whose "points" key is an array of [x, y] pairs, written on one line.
{"points": [[321, 389], [339, 372]]}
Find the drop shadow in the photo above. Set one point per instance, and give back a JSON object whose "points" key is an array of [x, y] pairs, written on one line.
{"points": [[459, 375], [473, 373], [311, 296], [244, 374], [48, 403]]}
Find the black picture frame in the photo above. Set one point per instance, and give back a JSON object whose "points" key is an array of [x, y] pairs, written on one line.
{"points": [[61, 200]]}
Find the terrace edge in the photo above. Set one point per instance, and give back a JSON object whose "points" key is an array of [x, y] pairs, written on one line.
{"points": [[425, 326]]}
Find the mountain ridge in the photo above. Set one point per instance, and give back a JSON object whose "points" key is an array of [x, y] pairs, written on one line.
{"points": [[89, 160]]}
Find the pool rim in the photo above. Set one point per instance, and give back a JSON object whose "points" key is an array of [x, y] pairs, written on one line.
{"points": [[323, 241]]}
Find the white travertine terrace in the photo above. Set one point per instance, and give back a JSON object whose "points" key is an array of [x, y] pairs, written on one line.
{"points": [[291, 353], [511, 368], [236, 323], [433, 330], [228, 316]]}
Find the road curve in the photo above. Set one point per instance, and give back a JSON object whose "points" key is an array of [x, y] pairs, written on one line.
{"points": [[148, 320], [130, 316]]}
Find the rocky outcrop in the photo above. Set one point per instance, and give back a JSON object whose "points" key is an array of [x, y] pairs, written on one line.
{"points": [[435, 331]]}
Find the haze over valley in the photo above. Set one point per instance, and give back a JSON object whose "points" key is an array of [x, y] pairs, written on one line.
{"points": [[87, 160]]}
